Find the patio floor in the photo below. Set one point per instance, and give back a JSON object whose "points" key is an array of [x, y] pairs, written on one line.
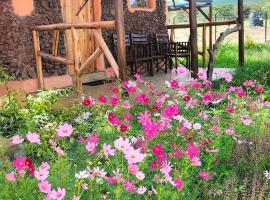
{"points": [[158, 80]]}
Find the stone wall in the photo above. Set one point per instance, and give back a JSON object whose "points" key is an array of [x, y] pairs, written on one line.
{"points": [[16, 45], [137, 22]]}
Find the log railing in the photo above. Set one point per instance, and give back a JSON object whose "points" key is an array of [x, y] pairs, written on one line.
{"points": [[76, 60]]}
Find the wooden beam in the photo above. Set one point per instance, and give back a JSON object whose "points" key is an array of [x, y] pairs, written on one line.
{"points": [[241, 33], [223, 23], [55, 42], [55, 58], [204, 46], [63, 26], [81, 7], [76, 57], [193, 38], [121, 44], [90, 61], [203, 13], [210, 28], [38, 60], [106, 52]]}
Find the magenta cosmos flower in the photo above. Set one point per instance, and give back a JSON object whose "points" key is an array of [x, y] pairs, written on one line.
{"points": [[179, 184], [45, 187], [16, 139], [204, 175], [64, 130], [19, 163], [102, 99], [193, 151], [33, 138]]}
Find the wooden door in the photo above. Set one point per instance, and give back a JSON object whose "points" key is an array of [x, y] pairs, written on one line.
{"points": [[87, 45]]}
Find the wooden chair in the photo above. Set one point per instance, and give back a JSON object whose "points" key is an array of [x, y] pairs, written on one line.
{"points": [[129, 56], [160, 52], [179, 51], [141, 52]]}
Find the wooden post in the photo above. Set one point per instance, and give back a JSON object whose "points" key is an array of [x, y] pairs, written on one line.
{"points": [[204, 45], [193, 37], [241, 33], [76, 57], [55, 42], [38, 60], [266, 25], [210, 28], [121, 44]]}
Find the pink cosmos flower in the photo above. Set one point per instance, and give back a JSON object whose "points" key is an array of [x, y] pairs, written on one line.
{"points": [[111, 180], [45, 187], [126, 105], [129, 186], [102, 99], [230, 109], [228, 77], [196, 161], [142, 99], [150, 129], [204, 175], [202, 75], [85, 186], [193, 150], [134, 156], [33, 138], [19, 163], [157, 149], [249, 83], [207, 98], [240, 92], [99, 172], [181, 71], [128, 116], [143, 117], [114, 100], [170, 111], [41, 175], [108, 151], [140, 175], [59, 194], [64, 130], [133, 169], [141, 190], [11, 177], [166, 168], [197, 126], [246, 120], [196, 85], [44, 166], [122, 144], [75, 198], [90, 147], [267, 174], [179, 184], [16, 139]]}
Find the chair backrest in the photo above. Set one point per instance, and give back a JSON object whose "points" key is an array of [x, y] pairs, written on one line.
{"points": [[162, 38], [139, 38], [127, 39]]}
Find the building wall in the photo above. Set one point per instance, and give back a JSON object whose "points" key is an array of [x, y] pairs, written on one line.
{"points": [[16, 45], [136, 22]]}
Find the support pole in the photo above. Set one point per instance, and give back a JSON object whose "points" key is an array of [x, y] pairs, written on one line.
{"points": [[204, 45], [121, 45], [38, 60], [193, 37], [266, 25], [241, 33], [210, 28]]}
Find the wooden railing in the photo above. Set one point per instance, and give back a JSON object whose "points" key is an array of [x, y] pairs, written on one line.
{"points": [[79, 67]]}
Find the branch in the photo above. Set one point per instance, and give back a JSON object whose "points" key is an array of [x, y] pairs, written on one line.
{"points": [[214, 51]]}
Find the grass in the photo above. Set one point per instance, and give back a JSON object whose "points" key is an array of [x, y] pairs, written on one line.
{"points": [[256, 55]]}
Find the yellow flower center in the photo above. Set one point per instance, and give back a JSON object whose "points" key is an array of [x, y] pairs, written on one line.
{"points": [[65, 130], [44, 187], [133, 155]]}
